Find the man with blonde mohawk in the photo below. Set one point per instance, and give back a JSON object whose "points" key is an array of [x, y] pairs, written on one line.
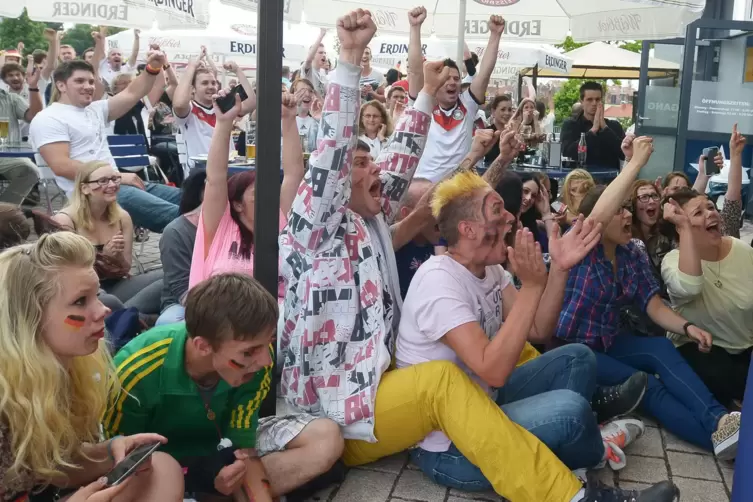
{"points": [[462, 307], [342, 303]]}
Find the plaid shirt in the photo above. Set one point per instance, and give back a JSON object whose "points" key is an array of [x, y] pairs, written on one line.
{"points": [[594, 296]]}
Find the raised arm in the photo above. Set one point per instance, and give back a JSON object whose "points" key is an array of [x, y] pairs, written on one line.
{"points": [[313, 49], [139, 88], [35, 97], [172, 81], [182, 96], [683, 276], [53, 48], [98, 56], [399, 159], [616, 192], [509, 147], [249, 105], [323, 196], [416, 18], [206, 56], [133, 60], [215, 192], [486, 66], [292, 154]]}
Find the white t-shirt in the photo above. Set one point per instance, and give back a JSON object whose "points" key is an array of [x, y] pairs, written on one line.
{"points": [[107, 74], [449, 140], [375, 145], [82, 128], [442, 296], [197, 128], [305, 124]]}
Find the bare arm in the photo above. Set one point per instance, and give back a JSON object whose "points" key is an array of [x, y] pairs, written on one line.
{"points": [[127, 225], [314, 48], [53, 49], [250, 104], [182, 95], [292, 154], [615, 193], [416, 17], [493, 361], [735, 181], [489, 59], [549, 307], [215, 191], [97, 57], [155, 93], [128, 97], [133, 60], [172, 82], [57, 157]]}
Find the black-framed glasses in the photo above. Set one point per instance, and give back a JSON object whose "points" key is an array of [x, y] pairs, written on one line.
{"points": [[649, 196], [103, 182]]}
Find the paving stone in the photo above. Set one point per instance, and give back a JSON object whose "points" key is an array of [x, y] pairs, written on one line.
{"points": [[644, 470], [365, 486], [696, 490], [647, 421], [648, 445], [690, 465], [728, 474], [413, 485], [393, 463], [676, 444], [465, 496], [605, 475]]}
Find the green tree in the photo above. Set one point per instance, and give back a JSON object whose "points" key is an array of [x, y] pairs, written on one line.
{"points": [[634, 46], [569, 44], [22, 29], [80, 36]]}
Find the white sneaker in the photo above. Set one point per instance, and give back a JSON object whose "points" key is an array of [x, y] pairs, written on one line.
{"points": [[617, 435], [726, 436]]}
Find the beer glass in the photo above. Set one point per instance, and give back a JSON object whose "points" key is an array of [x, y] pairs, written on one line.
{"points": [[4, 131]]}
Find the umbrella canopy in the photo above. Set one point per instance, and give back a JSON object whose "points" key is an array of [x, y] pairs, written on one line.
{"points": [[120, 13], [388, 51], [538, 21], [182, 45], [607, 61]]}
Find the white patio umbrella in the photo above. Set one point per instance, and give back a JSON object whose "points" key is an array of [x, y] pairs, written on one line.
{"points": [[540, 21], [120, 13], [224, 45], [176, 13]]}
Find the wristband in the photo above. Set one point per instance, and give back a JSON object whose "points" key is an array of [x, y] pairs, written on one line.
{"points": [[685, 328], [152, 70], [109, 447], [34, 89]]}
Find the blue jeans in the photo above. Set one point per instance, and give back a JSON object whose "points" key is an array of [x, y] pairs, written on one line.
{"points": [[675, 396], [152, 208], [171, 315], [550, 397]]}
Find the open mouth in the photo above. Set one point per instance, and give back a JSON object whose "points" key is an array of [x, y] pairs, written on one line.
{"points": [[627, 227], [651, 213], [375, 189], [713, 227]]}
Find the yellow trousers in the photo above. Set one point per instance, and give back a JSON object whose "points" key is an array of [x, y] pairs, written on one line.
{"points": [[411, 402]]}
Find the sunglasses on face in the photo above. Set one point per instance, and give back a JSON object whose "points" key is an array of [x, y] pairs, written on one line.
{"points": [[103, 182], [649, 196]]}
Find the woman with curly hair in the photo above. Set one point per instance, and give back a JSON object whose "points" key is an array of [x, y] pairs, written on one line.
{"points": [[374, 126], [55, 379]]}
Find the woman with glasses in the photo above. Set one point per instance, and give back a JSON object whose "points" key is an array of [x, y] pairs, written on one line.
{"points": [[95, 214], [374, 126]]}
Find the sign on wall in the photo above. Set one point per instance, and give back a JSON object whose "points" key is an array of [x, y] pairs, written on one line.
{"points": [[717, 106]]}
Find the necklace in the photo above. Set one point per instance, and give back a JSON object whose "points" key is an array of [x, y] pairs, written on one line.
{"points": [[718, 282]]}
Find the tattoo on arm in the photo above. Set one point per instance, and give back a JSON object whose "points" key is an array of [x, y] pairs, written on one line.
{"points": [[494, 174]]}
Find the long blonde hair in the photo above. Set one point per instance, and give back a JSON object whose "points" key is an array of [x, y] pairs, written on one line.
{"points": [[576, 175], [49, 409], [80, 208]]}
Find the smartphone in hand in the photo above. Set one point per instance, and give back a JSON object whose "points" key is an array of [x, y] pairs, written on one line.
{"points": [[709, 165], [129, 465], [226, 104]]}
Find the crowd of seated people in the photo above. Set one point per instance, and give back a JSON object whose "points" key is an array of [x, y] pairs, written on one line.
{"points": [[408, 284]]}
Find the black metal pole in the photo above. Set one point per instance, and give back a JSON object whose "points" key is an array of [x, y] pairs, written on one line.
{"points": [[267, 205], [535, 79]]}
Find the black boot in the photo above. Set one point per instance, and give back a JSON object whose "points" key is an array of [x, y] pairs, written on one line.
{"points": [[660, 492], [619, 400]]}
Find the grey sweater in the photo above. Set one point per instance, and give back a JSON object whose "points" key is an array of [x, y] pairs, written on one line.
{"points": [[176, 250]]}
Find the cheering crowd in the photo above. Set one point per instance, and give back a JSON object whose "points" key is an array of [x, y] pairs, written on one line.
{"points": [[430, 297]]}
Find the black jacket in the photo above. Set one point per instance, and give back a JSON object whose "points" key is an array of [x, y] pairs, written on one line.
{"points": [[604, 147]]}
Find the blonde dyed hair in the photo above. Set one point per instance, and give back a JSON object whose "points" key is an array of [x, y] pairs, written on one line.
{"points": [[454, 200], [49, 409], [80, 207], [576, 175]]}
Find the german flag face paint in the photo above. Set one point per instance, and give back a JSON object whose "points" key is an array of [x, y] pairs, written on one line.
{"points": [[75, 321], [235, 365]]}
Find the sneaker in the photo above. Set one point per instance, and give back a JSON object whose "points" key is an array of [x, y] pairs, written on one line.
{"points": [[726, 436], [619, 400], [665, 491]]}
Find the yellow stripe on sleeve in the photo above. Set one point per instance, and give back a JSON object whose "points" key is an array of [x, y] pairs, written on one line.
{"points": [[131, 385]]}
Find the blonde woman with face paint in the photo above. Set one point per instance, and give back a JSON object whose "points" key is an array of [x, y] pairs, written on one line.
{"points": [[55, 375]]}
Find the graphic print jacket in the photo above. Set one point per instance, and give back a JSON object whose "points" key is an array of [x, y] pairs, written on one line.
{"points": [[336, 340]]}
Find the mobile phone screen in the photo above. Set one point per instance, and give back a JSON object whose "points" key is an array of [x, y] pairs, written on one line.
{"points": [[558, 206], [128, 465], [226, 103], [711, 167]]}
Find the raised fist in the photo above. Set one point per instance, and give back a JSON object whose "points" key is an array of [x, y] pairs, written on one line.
{"points": [[417, 16], [355, 30], [496, 24]]}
